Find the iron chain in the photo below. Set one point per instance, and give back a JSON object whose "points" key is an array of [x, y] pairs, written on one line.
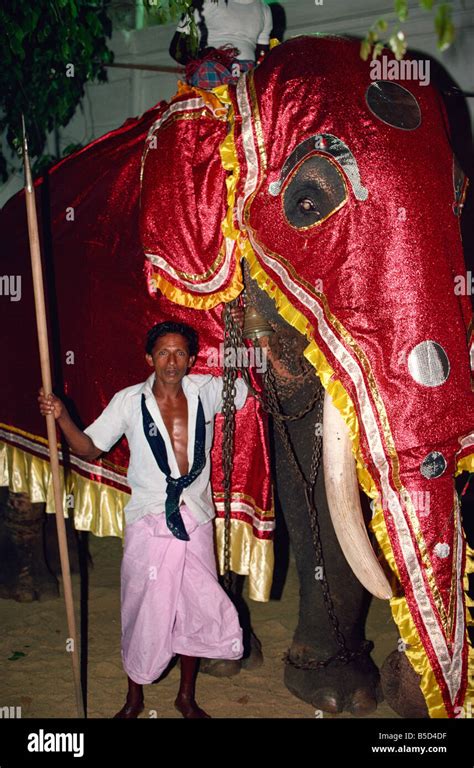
{"points": [[233, 339]]}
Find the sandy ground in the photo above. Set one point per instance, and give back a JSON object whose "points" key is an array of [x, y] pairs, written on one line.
{"points": [[40, 682]]}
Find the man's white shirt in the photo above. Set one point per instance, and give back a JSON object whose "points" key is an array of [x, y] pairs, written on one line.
{"points": [[241, 23], [123, 415]]}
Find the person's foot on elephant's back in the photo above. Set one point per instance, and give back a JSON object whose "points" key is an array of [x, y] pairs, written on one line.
{"points": [[337, 687]]}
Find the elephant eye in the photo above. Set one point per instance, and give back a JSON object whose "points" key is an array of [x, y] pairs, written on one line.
{"points": [[307, 205], [314, 191]]}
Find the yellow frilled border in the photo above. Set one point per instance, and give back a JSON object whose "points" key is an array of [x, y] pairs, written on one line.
{"points": [[192, 300], [258, 565], [408, 632], [344, 404], [466, 464], [469, 698], [102, 513]]}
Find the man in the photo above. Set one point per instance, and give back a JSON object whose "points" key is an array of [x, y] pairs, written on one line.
{"points": [[171, 600], [233, 35]]}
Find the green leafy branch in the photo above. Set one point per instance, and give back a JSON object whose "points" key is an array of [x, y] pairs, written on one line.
{"points": [[165, 11], [51, 48], [390, 34]]}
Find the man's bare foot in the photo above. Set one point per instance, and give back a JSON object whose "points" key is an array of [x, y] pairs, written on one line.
{"points": [[188, 708], [130, 711]]}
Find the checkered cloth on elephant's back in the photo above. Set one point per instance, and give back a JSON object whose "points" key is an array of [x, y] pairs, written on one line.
{"points": [[216, 66]]}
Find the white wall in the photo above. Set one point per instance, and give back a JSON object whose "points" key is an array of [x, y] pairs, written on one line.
{"points": [[131, 92]]}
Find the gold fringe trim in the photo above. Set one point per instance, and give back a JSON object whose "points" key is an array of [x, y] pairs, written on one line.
{"points": [[469, 699], [205, 301], [259, 562], [413, 646], [209, 97], [466, 464], [99, 508]]}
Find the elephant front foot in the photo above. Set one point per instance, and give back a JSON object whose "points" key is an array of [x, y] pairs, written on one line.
{"points": [[401, 686], [220, 667], [337, 687], [24, 574], [253, 658]]}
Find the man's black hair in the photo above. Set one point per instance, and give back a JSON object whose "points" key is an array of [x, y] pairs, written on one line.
{"points": [[170, 326]]}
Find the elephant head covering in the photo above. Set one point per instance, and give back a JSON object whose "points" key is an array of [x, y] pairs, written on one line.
{"points": [[367, 274]]}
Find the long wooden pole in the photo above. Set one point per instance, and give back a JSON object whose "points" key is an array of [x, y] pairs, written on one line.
{"points": [[42, 331]]}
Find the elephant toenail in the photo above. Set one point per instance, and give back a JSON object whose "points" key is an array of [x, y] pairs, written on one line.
{"points": [[362, 703], [328, 700]]}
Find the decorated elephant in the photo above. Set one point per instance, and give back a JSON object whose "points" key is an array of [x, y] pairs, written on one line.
{"points": [[334, 199]]}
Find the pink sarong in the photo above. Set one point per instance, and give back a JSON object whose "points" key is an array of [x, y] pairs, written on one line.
{"points": [[171, 600]]}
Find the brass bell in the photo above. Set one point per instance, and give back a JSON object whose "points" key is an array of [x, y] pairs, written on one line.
{"points": [[255, 325]]}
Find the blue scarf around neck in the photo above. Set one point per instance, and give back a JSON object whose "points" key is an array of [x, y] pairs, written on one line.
{"points": [[174, 485]]}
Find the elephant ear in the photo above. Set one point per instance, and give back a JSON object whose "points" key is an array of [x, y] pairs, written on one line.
{"points": [[183, 203]]}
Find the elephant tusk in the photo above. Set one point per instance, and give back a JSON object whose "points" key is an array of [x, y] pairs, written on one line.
{"points": [[342, 491]]}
